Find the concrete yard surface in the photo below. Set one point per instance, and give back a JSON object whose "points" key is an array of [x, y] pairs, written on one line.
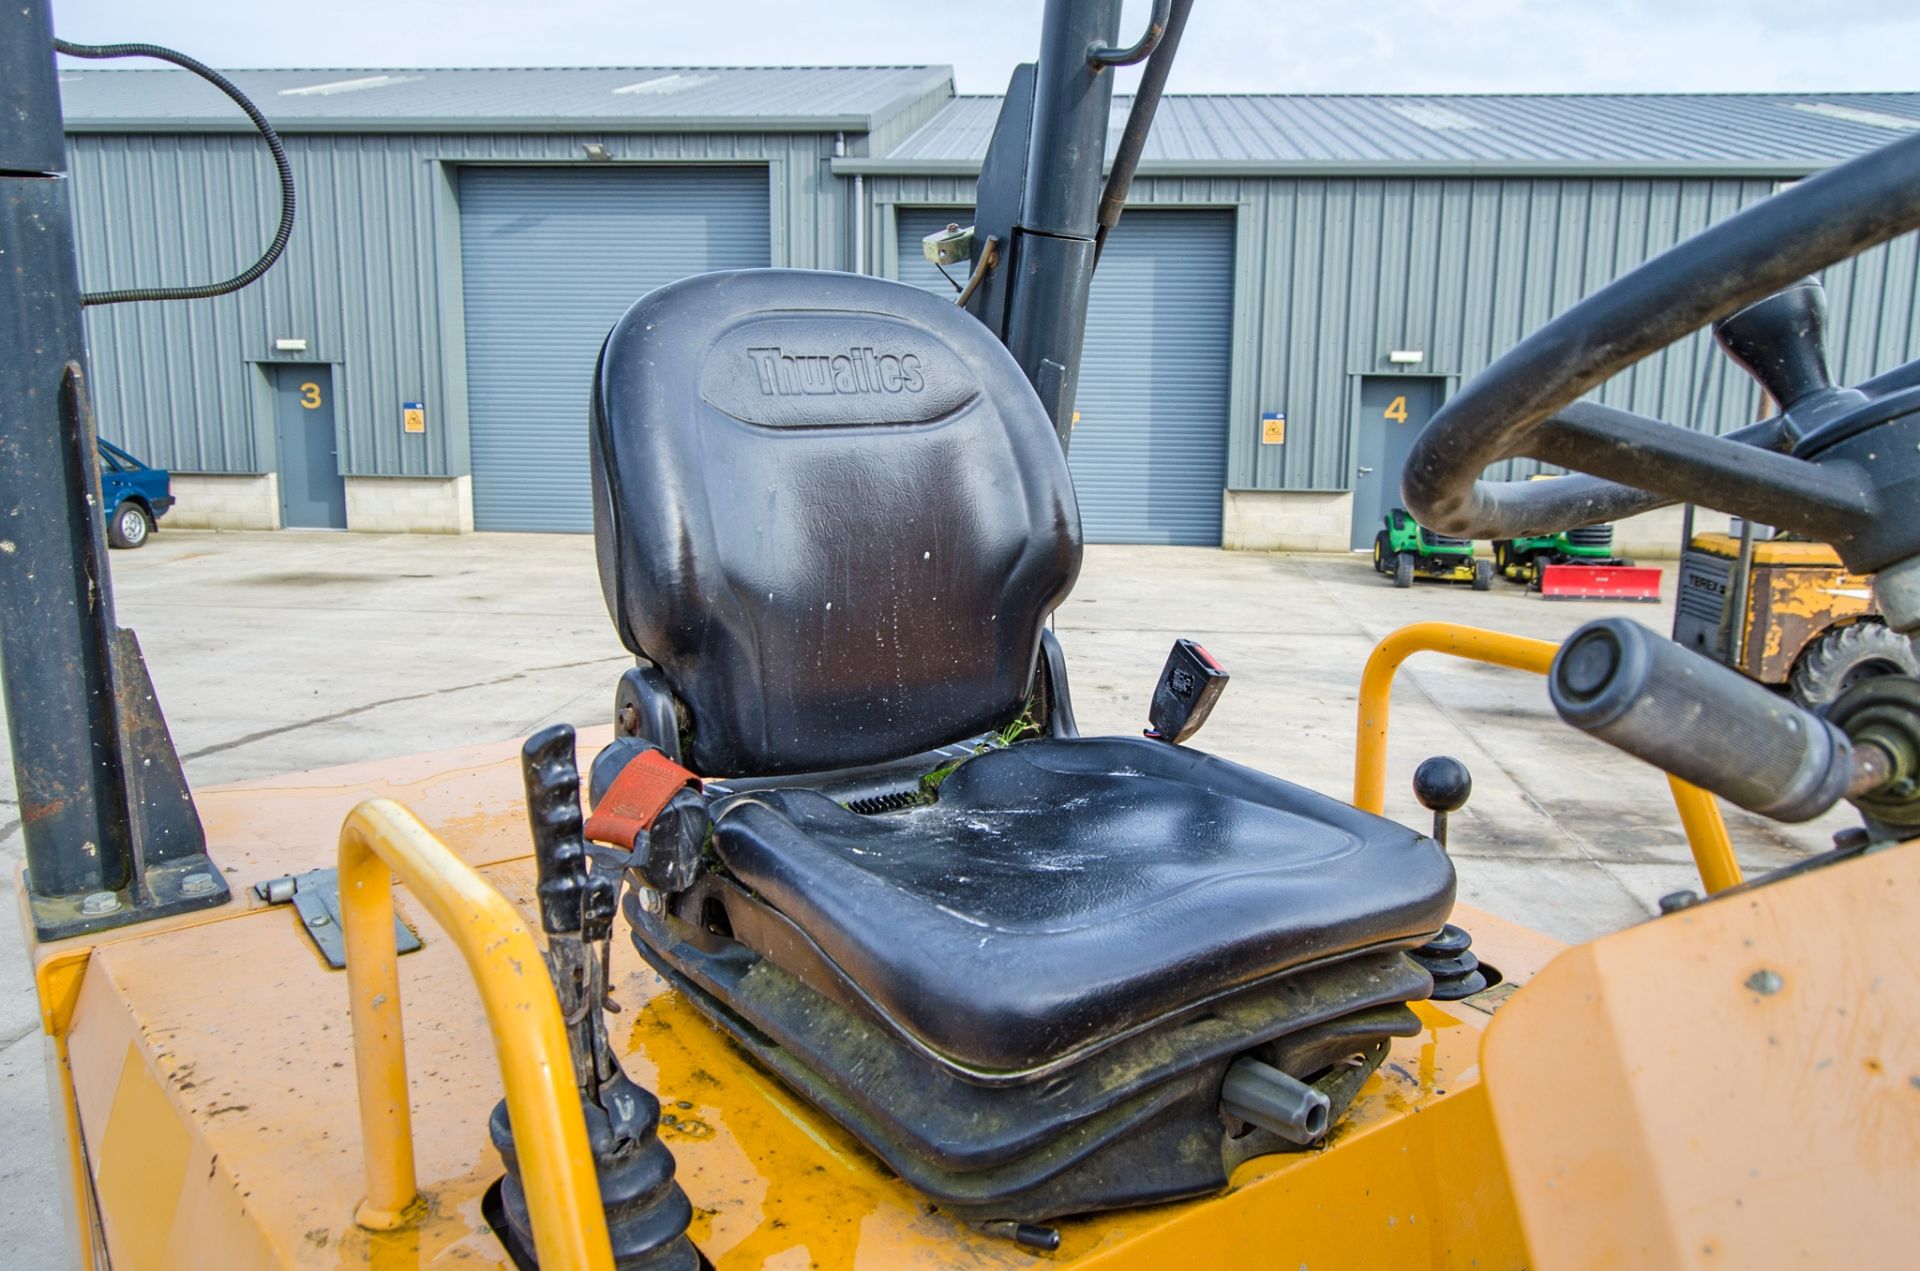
{"points": [[278, 652]]}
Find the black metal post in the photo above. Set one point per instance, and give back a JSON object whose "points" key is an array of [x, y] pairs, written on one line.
{"points": [[111, 834], [1051, 257]]}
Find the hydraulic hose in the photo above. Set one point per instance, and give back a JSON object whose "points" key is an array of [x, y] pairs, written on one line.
{"points": [[133, 295], [1133, 138]]}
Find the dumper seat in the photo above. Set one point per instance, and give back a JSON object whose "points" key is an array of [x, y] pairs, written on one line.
{"points": [[831, 521]]}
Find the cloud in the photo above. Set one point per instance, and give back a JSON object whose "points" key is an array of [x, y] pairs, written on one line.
{"points": [[1407, 46]]}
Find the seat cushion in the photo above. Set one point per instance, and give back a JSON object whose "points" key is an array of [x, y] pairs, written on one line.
{"points": [[1063, 893]]}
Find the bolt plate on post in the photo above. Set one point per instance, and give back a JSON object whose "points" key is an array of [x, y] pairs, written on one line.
{"points": [[950, 246], [315, 897]]}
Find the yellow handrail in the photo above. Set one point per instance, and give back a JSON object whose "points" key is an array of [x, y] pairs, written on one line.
{"points": [[379, 839], [1706, 834], [1699, 814]]}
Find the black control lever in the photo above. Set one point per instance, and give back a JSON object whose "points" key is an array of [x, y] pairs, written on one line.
{"points": [[576, 906], [1706, 723], [1190, 683], [1443, 786], [647, 1212]]}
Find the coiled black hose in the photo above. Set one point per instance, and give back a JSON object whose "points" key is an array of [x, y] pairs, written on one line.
{"points": [[221, 82]]}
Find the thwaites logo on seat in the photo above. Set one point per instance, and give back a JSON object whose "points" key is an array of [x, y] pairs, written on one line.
{"points": [[861, 369], [835, 369]]}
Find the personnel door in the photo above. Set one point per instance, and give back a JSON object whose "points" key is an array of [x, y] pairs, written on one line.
{"points": [[313, 495], [1393, 410]]}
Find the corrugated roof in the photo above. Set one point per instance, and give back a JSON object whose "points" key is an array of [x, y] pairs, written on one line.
{"points": [[1780, 133], [649, 99], [1770, 132]]}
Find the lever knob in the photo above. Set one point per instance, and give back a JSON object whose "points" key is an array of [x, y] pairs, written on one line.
{"points": [[1782, 342], [1442, 784]]}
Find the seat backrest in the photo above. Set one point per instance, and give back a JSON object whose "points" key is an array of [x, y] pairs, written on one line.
{"points": [[831, 509]]}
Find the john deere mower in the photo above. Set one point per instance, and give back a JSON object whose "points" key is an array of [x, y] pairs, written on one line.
{"points": [[1406, 550], [1575, 564], [865, 956]]}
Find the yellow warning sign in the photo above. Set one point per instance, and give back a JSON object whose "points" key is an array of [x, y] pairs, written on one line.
{"points": [[1273, 429], [413, 416]]}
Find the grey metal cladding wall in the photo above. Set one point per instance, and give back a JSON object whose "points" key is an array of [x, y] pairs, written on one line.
{"points": [[1463, 269], [1334, 273], [366, 279], [174, 210], [1460, 270], [1874, 301]]}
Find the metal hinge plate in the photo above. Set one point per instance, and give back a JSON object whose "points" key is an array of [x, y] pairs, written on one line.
{"points": [[315, 897]]}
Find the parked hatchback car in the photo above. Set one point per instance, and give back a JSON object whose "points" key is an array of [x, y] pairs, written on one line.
{"points": [[133, 496]]}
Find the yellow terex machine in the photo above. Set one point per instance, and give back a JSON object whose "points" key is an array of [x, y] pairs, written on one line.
{"points": [[865, 957], [1787, 613]]}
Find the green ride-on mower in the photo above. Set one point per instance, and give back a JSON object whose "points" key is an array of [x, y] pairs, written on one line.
{"points": [[1406, 550], [1575, 564], [1524, 559]]}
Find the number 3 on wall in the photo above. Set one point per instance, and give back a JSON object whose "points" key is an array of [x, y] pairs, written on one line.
{"points": [[1396, 409], [310, 398]]}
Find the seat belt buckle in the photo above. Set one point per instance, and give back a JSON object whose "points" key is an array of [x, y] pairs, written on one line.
{"points": [[655, 811], [1190, 683]]}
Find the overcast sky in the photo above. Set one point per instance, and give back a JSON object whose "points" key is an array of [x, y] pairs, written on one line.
{"points": [[1423, 46]]}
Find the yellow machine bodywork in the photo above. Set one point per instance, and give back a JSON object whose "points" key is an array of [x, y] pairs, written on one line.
{"points": [[228, 1100], [207, 1070]]}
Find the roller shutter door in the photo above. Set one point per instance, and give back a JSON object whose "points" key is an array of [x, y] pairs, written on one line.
{"points": [[550, 259], [1149, 455]]}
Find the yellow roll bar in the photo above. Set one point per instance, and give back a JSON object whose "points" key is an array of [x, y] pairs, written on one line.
{"points": [[1699, 814], [380, 839]]}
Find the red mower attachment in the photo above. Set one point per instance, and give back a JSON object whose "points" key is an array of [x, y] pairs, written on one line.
{"points": [[1600, 582]]}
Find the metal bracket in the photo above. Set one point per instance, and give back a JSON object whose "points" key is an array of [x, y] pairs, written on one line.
{"points": [[948, 246], [315, 896]]}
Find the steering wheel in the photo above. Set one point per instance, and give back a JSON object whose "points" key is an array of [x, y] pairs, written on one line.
{"points": [[1841, 464]]}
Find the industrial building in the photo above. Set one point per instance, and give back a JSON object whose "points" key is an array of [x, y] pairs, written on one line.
{"points": [[1299, 281]]}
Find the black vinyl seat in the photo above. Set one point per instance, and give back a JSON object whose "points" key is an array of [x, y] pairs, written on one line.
{"points": [[831, 519], [1064, 893]]}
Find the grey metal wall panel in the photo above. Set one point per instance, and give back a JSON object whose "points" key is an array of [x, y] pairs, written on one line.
{"points": [[552, 258], [369, 279], [1149, 453], [1335, 273], [1462, 269], [1458, 270]]}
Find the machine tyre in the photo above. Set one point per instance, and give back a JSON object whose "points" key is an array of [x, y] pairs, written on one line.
{"points": [[130, 526], [1844, 656], [1403, 570], [1380, 552], [1483, 575], [1502, 554]]}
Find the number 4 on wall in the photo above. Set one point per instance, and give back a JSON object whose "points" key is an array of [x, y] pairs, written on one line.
{"points": [[1396, 410]]}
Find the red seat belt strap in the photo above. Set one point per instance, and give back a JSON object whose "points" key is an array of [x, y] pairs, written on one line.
{"points": [[637, 796]]}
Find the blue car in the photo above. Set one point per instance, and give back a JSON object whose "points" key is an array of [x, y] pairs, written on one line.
{"points": [[133, 496]]}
